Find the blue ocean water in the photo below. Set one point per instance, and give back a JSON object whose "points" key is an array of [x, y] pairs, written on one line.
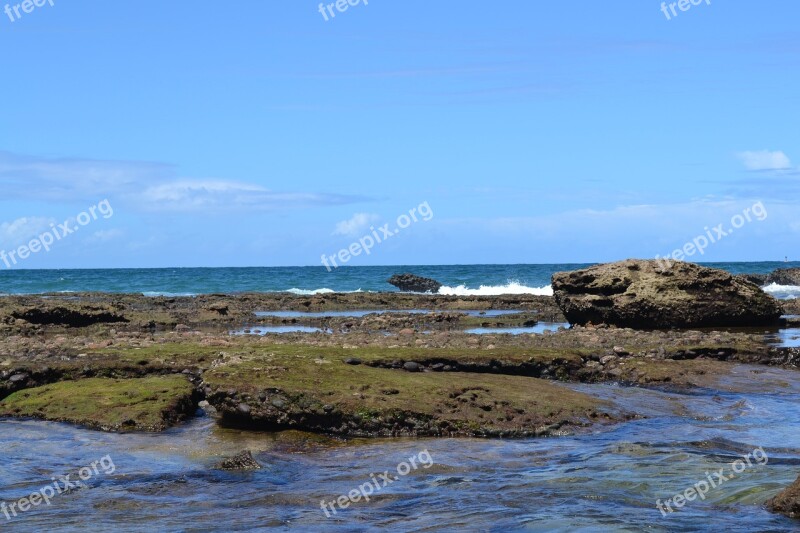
{"points": [[458, 279]]}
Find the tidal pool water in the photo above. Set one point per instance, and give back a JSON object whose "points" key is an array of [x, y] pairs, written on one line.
{"points": [[266, 330], [541, 327], [607, 479], [363, 313]]}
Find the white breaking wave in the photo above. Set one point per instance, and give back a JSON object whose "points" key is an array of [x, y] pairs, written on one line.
{"points": [[782, 292], [304, 292], [156, 294], [494, 290]]}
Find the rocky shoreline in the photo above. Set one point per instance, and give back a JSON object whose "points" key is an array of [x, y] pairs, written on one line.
{"points": [[276, 381], [135, 363]]}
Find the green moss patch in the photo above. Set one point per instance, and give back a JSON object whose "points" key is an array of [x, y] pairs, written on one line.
{"points": [[320, 392], [144, 404]]}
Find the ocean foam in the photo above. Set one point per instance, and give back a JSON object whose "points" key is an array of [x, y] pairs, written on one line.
{"points": [[782, 292], [157, 294], [304, 292], [512, 287]]}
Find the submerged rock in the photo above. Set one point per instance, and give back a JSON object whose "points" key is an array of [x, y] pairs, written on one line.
{"points": [[412, 283], [242, 461], [787, 502], [645, 295]]}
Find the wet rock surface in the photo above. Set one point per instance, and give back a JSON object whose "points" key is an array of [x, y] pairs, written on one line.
{"points": [[649, 295], [243, 461], [787, 502], [412, 283]]}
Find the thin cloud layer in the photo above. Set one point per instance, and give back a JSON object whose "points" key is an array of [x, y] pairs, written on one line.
{"points": [[148, 186], [765, 160]]}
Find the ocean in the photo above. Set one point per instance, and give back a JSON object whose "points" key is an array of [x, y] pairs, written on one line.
{"points": [[457, 279]]}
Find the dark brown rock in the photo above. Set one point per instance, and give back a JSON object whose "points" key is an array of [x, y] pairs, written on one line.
{"points": [[243, 461], [411, 283], [787, 502], [644, 295], [785, 276]]}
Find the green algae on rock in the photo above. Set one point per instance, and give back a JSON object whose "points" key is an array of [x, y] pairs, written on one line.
{"points": [[304, 389], [144, 404]]}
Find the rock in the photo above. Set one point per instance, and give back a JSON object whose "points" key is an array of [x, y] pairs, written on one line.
{"points": [[411, 283], [352, 361], [758, 279], [411, 366], [74, 317], [406, 331], [608, 359], [784, 276], [620, 351], [643, 294], [219, 308], [243, 461], [243, 408], [16, 378], [787, 502]]}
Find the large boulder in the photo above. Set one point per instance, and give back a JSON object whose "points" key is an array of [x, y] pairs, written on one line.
{"points": [[787, 502], [412, 283], [645, 295]]}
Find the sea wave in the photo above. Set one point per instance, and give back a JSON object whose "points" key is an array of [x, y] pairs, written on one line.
{"points": [[782, 292], [305, 292], [155, 294], [513, 287]]}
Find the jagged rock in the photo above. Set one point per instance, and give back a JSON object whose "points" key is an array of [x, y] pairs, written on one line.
{"points": [[758, 279], [645, 295], [785, 276], [243, 461], [411, 283], [787, 502]]}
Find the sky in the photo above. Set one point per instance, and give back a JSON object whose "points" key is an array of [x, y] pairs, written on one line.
{"points": [[267, 133]]}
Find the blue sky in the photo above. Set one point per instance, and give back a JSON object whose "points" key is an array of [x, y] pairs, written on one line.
{"points": [[257, 133]]}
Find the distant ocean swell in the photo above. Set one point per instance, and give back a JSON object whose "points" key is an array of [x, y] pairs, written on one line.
{"points": [[458, 280]]}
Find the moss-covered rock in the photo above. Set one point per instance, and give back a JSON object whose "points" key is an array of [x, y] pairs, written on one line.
{"points": [[305, 388], [144, 404]]}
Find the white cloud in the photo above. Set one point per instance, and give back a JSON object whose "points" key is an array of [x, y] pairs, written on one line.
{"points": [[22, 229], [356, 225], [105, 235], [149, 186], [765, 160]]}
